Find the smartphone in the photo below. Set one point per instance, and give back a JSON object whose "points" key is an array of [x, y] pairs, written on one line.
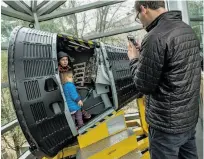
{"points": [[132, 39]]}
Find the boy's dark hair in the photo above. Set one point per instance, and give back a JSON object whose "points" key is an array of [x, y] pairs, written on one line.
{"points": [[149, 4]]}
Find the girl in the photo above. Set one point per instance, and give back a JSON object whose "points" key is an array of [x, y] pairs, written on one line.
{"points": [[64, 67], [72, 97]]}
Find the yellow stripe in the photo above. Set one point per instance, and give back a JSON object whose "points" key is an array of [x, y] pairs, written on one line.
{"points": [[81, 42], [143, 144], [90, 43], [97, 123], [146, 155], [71, 38], [138, 131], [107, 117], [93, 135], [69, 151]]}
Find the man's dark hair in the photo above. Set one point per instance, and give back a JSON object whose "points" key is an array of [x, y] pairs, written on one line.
{"points": [[149, 4]]}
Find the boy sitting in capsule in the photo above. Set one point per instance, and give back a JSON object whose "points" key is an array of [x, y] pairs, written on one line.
{"points": [[72, 97]]}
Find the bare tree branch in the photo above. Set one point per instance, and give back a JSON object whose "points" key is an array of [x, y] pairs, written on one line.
{"points": [[108, 25], [8, 143], [84, 24]]}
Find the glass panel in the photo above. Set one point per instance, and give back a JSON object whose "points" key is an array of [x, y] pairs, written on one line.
{"points": [[28, 2], [39, 1], [3, 4], [8, 24], [93, 21], [13, 143], [198, 28], [4, 66], [195, 8], [121, 39], [75, 3], [7, 111]]}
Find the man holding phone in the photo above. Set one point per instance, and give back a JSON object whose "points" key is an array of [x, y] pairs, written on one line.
{"points": [[167, 69]]}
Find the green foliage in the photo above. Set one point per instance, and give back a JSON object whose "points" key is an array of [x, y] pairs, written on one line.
{"points": [[195, 8]]}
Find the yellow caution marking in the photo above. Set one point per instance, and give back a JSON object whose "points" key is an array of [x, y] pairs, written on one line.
{"points": [[93, 135], [69, 151], [81, 42], [90, 43], [71, 38], [143, 144], [146, 155]]}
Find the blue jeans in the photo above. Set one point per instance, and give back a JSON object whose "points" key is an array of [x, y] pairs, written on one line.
{"points": [[172, 146]]}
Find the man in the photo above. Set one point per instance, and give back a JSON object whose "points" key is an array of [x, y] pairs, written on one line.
{"points": [[167, 70]]}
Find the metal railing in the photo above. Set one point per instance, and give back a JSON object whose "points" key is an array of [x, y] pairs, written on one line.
{"points": [[9, 126]]}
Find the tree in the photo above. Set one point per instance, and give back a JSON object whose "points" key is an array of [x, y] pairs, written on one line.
{"points": [[8, 24], [13, 139], [195, 9]]}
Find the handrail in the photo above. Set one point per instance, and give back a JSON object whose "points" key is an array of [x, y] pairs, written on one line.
{"points": [[9, 126]]}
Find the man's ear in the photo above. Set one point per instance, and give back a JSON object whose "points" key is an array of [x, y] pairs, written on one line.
{"points": [[143, 9]]}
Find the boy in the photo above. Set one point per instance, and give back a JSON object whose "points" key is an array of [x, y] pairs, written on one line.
{"points": [[73, 99], [64, 67]]}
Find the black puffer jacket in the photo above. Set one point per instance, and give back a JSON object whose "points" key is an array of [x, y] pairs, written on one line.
{"points": [[168, 71]]}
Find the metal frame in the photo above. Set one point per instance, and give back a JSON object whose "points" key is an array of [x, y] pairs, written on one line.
{"points": [[36, 13], [33, 6], [16, 14], [114, 32], [50, 7], [9, 126], [18, 6], [66, 12]]}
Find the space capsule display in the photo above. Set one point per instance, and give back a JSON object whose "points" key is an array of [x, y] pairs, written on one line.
{"points": [[101, 75]]}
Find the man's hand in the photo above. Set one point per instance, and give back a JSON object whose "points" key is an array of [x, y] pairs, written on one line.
{"points": [[133, 51], [80, 103]]}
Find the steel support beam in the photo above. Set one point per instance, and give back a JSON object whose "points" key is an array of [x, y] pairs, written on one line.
{"points": [[37, 25], [50, 7], [27, 155], [42, 4], [114, 32], [34, 5], [15, 14], [195, 18], [18, 6], [9, 126], [25, 4], [66, 12]]}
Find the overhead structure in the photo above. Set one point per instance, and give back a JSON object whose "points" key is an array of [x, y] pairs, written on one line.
{"points": [[45, 10], [35, 13]]}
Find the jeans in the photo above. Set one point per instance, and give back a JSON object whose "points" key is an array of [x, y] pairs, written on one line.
{"points": [[172, 146], [78, 117]]}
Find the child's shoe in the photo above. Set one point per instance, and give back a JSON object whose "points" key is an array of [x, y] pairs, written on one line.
{"points": [[86, 114]]}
